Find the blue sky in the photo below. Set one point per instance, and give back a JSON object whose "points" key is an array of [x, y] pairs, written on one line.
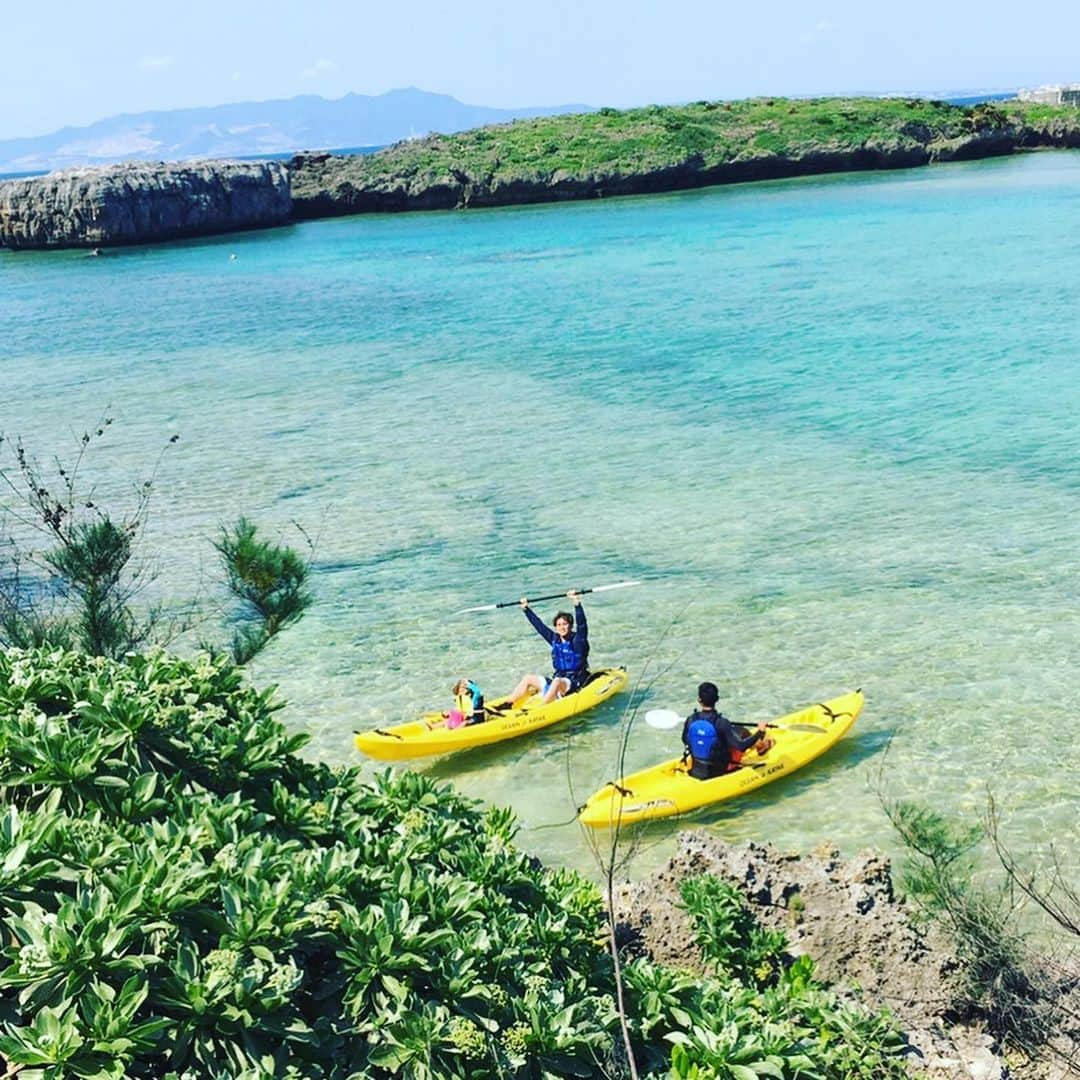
{"points": [[72, 64]]}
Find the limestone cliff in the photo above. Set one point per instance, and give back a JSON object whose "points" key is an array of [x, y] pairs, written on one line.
{"points": [[586, 156], [141, 203], [867, 944], [325, 185]]}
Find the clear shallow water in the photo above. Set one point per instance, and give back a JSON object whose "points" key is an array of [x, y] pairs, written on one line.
{"points": [[832, 422]]}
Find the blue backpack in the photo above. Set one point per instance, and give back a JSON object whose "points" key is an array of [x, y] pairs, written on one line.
{"points": [[701, 738]]}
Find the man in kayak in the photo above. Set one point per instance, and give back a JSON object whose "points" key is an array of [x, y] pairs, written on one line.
{"points": [[569, 653], [712, 743]]}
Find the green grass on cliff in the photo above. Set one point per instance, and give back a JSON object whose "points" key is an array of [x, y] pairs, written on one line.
{"points": [[707, 133]]}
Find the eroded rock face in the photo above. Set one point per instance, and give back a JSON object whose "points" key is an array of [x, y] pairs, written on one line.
{"points": [[142, 202], [844, 914], [325, 185]]}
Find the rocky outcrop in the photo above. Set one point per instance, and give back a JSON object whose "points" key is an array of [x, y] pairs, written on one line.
{"points": [[973, 147], [400, 178], [142, 202], [845, 915], [326, 185]]}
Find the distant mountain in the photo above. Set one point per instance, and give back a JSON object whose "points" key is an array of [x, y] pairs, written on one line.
{"points": [[257, 128]]}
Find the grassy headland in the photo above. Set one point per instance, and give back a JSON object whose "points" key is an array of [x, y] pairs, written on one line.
{"points": [[666, 148], [548, 159]]}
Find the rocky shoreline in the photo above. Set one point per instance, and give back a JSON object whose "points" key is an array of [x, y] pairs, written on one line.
{"points": [[845, 914], [324, 185], [492, 167], [138, 203]]}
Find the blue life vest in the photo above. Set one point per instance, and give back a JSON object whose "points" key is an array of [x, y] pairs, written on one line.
{"points": [[701, 738], [564, 660], [471, 703]]}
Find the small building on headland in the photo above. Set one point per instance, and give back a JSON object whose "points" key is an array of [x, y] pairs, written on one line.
{"points": [[1067, 94]]}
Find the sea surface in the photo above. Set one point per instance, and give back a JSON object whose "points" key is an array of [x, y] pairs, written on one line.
{"points": [[832, 424]]}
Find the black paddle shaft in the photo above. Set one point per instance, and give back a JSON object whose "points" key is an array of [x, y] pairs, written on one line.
{"points": [[537, 599]]}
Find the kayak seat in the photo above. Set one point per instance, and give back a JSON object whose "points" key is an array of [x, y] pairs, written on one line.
{"points": [[592, 677]]}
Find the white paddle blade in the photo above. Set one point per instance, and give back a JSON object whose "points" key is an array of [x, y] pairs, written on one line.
{"points": [[617, 585], [663, 718], [482, 607]]}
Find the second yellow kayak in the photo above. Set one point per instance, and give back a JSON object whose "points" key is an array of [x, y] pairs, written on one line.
{"points": [[667, 789], [429, 735]]}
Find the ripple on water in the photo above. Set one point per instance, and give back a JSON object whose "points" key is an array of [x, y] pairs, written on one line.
{"points": [[831, 423]]}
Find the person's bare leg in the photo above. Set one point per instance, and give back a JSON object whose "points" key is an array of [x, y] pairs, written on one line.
{"points": [[529, 684], [556, 689]]}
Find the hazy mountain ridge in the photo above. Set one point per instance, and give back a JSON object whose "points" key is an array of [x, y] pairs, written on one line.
{"points": [[260, 127]]}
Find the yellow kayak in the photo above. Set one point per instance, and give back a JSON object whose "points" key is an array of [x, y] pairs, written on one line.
{"points": [[430, 735], [669, 789]]}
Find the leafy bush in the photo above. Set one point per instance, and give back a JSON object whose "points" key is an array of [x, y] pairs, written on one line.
{"points": [[78, 592], [999, 980], [183, 896], [767, 1016], [182, 893], [729, 936], [268, 579], [81, 591]]}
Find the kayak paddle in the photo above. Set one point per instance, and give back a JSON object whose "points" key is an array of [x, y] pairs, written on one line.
{"points": [[663, 719], [552, 596]]}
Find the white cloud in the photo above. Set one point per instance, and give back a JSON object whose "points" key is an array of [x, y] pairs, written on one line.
{"points": [[320, 67], [156, 63], [236, 76]]}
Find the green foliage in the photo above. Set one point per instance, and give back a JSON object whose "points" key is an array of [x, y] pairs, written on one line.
{"points": [[731, 940], [90, 573], [182, 896], [269, 581], [180, 891], [80, 593], [767, 1016], [939, 843], [609, 144], [91, 561], [996, 981]]}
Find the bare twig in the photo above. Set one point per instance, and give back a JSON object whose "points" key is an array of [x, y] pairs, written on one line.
{"points": [[1065, 912], [611, 863]]}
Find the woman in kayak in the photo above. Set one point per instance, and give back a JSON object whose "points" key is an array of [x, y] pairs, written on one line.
{"points": [[712, 743], [569, 653]]}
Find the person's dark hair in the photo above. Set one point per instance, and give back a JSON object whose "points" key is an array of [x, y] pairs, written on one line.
{"points": [[563, 615], [708, 695]]}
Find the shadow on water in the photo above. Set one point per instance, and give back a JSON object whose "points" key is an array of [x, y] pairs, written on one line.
{"points": [[546, 744]]}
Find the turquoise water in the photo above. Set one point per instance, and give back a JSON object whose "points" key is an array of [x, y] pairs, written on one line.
{"points": [[831, 423]]}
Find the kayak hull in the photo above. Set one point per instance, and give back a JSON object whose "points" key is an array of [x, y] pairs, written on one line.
{"points": [[667, 789], [429, 735]]}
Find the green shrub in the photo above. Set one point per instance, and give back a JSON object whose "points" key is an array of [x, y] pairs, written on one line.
{"points": [[730, 938], [997, 981], [183, 896], [175, 878], [269, 580], [82, 591], [768, 1016]]}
